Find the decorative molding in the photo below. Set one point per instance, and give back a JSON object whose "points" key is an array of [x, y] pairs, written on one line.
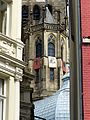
{"points": [[46, 26], [11, 47], [8, 39], [8, 48], [8, 69], [14, 61]]}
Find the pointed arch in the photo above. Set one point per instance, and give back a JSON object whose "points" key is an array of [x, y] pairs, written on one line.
{"points": [[36, 12], [38, 47], [51, 45]]}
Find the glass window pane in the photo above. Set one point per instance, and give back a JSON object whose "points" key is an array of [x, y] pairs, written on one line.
{"points": [[3, 17], [38, 49], [1, 87], [36, 12], [37, 75], [51, 49], [1, 109], [51, 74], [1, 99]]}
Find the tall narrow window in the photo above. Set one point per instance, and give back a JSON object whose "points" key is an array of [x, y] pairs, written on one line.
{"points": [[3, 16], [36, 12], [25, 15], [51, 52], [51, 73], [51, 45], [2, 98], [37, 75], [38, 48], [51, 49]]}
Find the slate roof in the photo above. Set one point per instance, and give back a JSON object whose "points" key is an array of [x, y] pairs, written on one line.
{"points": [[55, 107]]}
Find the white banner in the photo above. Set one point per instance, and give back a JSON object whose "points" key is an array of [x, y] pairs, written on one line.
{"points": [[52, 62]]}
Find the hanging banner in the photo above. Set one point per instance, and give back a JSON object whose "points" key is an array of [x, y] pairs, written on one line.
{"points": [[36, 64], [52, 62]]}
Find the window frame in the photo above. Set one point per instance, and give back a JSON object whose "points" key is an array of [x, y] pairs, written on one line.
{"points": [[51, 49], [38, 48], [37, 75], [51, 74], [3, 21], [51, 45], [36, 12], [3, 98]]}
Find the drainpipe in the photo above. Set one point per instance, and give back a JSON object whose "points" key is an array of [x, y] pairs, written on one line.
{"points": [[76, 75]]}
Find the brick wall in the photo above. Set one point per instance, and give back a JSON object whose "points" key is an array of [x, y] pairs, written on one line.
{"points": [[86, 80], [85, 17], [85, 26]]}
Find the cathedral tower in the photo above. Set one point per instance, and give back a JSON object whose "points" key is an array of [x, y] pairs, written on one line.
{"points": [[44, 32]]}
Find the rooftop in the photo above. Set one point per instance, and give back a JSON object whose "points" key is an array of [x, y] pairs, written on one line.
{"points": [[55, 107]]}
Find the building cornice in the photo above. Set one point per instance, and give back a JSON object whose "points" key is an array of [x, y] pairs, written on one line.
{"points": [[14, 61], [46, 26], [4, 37]]}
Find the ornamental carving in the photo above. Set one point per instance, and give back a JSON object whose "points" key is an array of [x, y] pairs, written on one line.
{"points": [[8, 48], [47, 26]]}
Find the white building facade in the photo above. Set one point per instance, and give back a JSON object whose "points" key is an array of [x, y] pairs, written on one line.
{"points": [[11, 63]]}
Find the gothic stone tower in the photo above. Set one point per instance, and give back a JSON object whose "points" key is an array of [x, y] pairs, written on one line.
{"points": [[46, 46]]}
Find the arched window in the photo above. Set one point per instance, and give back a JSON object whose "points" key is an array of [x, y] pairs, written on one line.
{"points": [[51, 46], [51, 49], [25, 15], [36, 12], [38, 48]]}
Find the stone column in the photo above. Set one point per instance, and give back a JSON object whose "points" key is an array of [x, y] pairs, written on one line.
{"points": [[10, 107], [17, 100], [16, 20], [8, 23]]}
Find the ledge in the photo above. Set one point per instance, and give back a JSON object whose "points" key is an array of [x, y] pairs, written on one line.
{"points": [[4, 37], [14, 61]]}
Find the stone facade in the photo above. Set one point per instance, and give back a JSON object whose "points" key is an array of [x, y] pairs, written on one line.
{"points": [[26, 103], [85, 25], [11, 64], [46, 26]]}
